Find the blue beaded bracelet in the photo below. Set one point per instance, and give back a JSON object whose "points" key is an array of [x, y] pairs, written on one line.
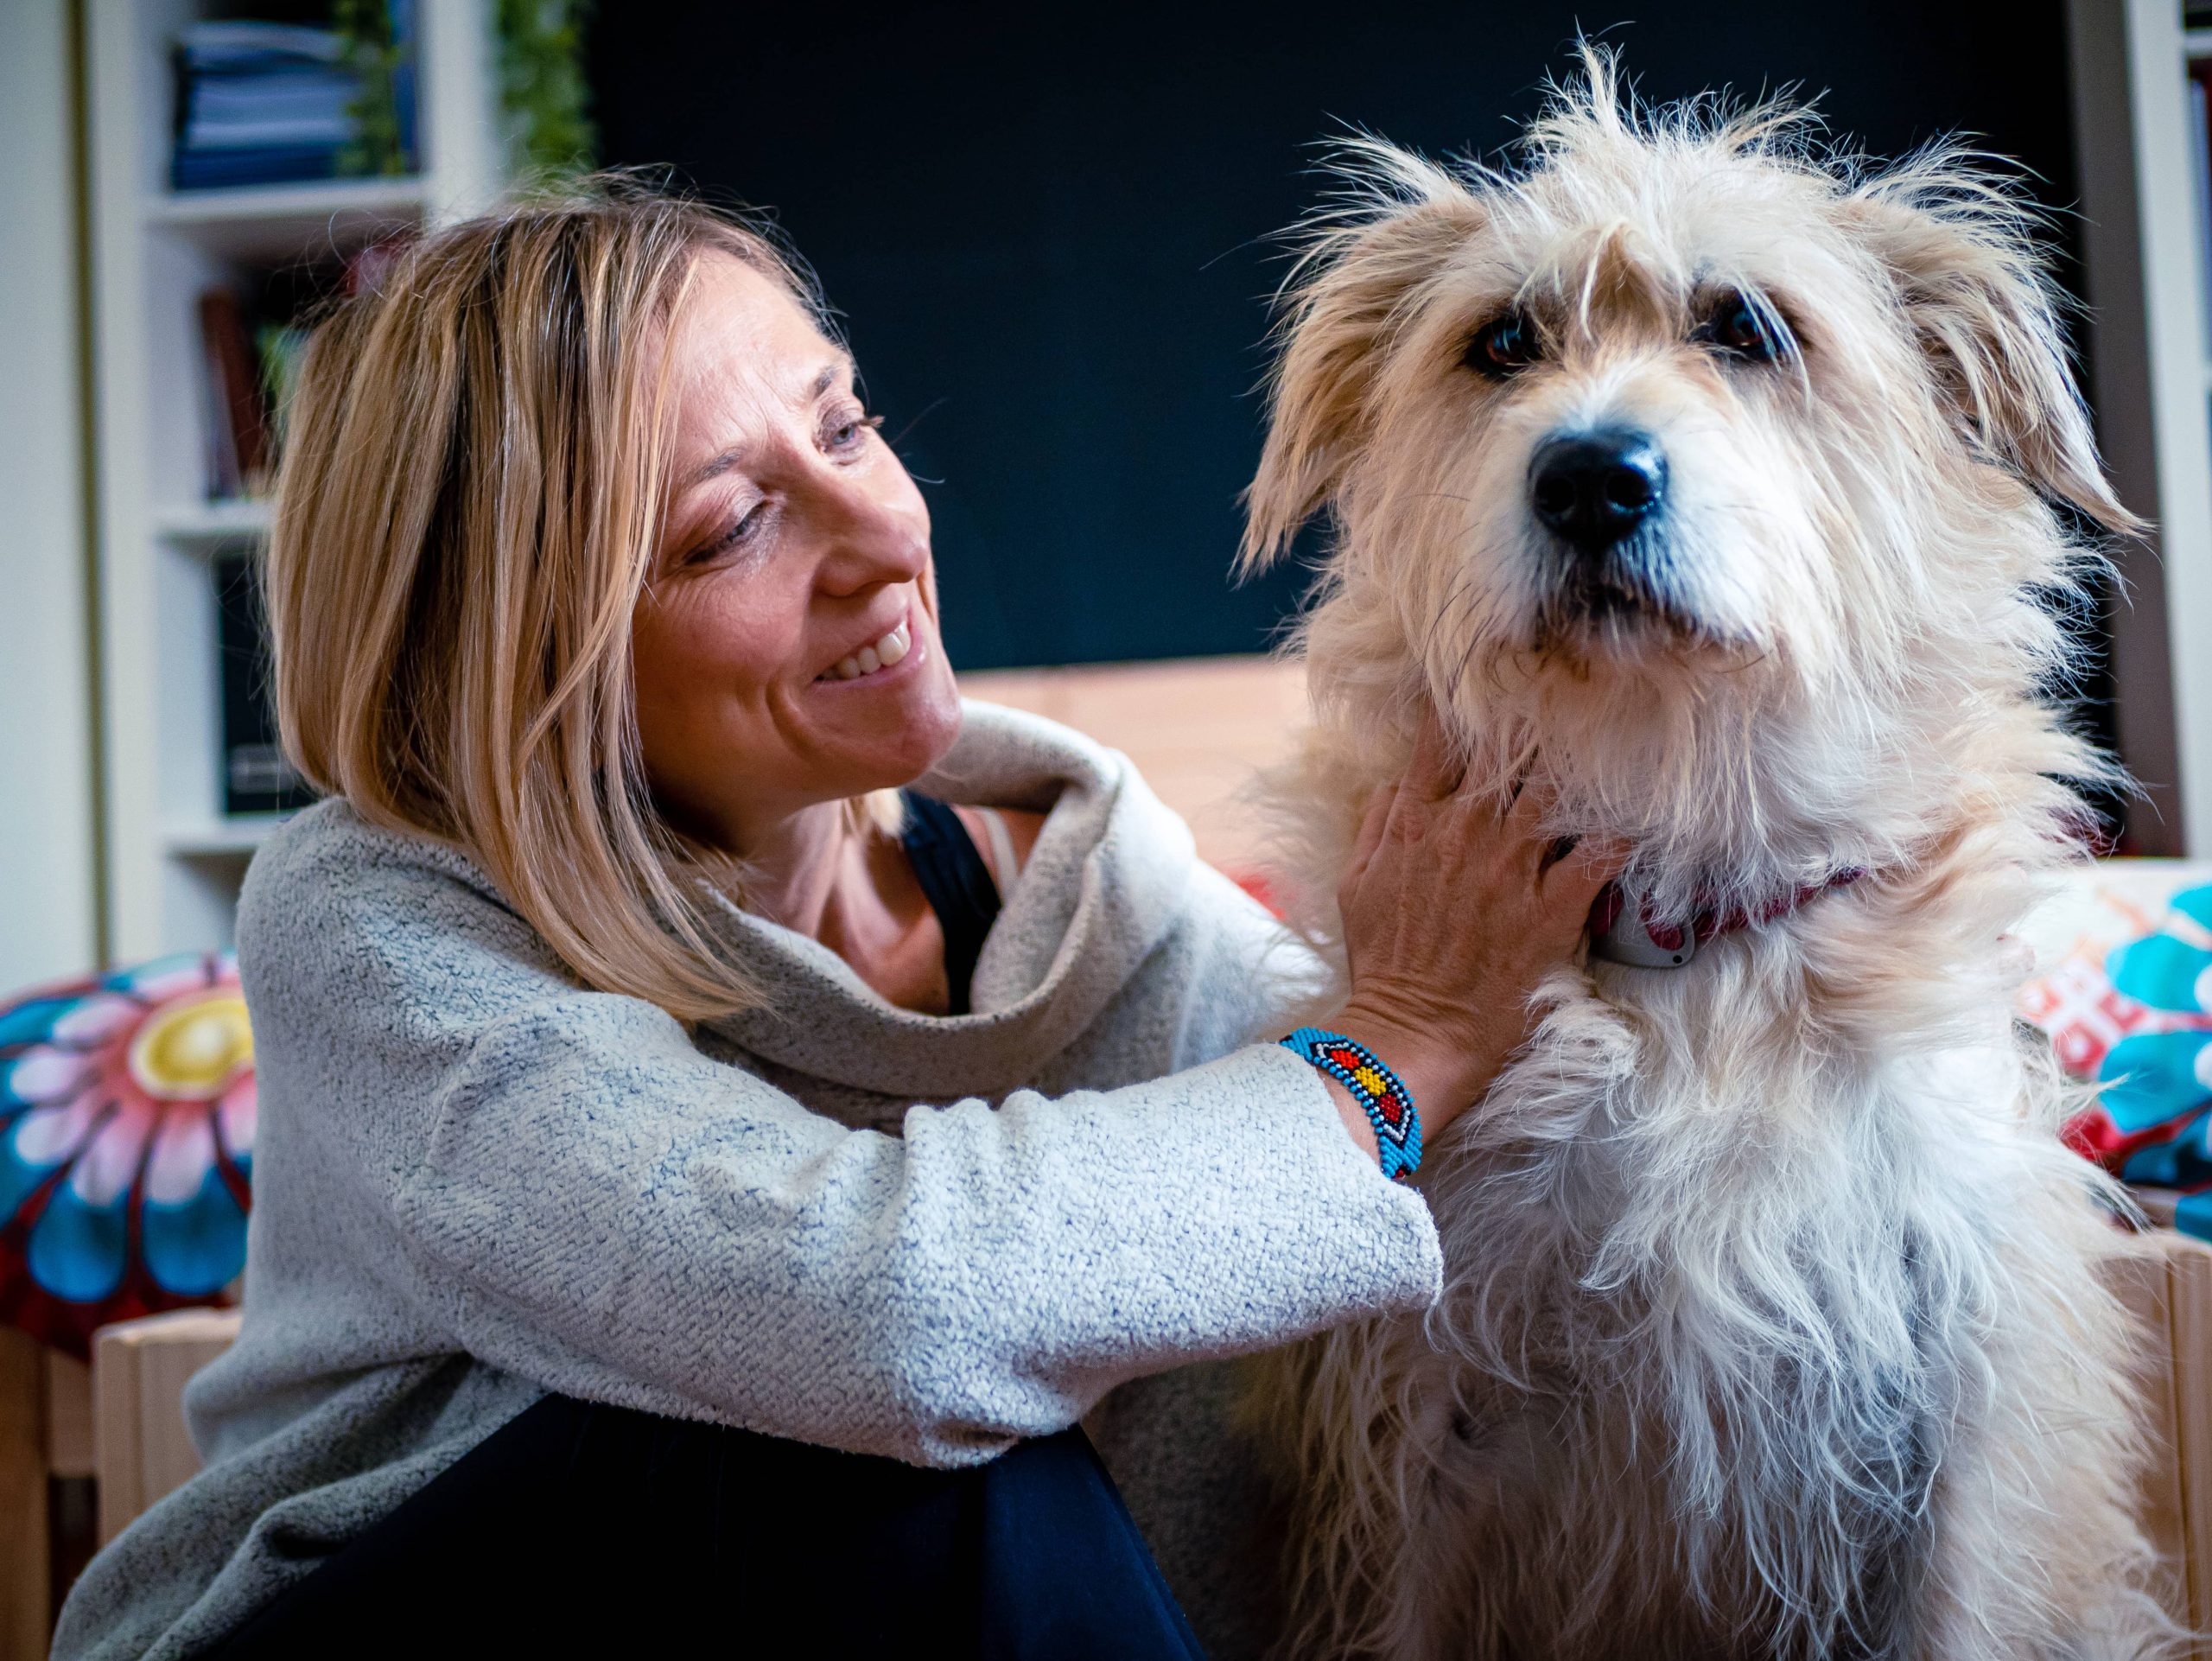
{"points": [[1380, 1092]]}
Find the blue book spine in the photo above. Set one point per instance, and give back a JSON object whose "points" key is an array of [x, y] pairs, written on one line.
{"points": [[228, 169]]}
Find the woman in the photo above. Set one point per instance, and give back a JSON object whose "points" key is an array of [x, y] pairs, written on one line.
{"points": [[697, 1192]]}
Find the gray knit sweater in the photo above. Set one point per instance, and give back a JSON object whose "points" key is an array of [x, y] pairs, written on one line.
{"points": [[826, 1218]]}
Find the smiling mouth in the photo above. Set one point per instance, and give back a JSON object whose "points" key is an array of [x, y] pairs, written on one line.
{"points": [[873, 657]]}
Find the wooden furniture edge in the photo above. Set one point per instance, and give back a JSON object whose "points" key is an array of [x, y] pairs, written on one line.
{"points": [[133, 1436]]}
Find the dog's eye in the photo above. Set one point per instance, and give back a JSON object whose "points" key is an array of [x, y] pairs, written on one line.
{"points": [[1502, 345], [1750, 332]]}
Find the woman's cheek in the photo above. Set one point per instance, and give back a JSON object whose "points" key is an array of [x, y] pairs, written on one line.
{"points": [[748, 631]]}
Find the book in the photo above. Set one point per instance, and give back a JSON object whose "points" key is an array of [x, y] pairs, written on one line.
{"points": [[261, 103], [257, 777], [239, 451]]}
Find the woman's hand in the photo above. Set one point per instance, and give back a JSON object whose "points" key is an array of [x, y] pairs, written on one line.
{"points": [[1454, 911]]}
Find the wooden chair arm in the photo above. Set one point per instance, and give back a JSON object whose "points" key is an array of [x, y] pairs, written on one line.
{"points": [[141, 1449]]}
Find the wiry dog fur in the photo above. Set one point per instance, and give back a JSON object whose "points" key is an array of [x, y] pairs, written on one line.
{"points": [[1773, 1323]]}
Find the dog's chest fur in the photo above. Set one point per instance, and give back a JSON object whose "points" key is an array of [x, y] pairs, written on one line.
{"points": [[1690, 1299], [1727, 1287]]}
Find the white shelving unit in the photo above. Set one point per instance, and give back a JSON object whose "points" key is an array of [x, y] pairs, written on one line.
{"points": [[173, 859], [2144, 238]]}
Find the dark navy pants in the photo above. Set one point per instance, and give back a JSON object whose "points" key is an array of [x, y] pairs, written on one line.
{"points": [[578, 1529]]}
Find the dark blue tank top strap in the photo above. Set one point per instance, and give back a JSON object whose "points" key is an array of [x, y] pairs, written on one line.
{"points": [[956, 883]]}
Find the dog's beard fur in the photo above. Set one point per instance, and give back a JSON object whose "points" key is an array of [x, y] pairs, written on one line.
{"points": [[1773, 1323]]}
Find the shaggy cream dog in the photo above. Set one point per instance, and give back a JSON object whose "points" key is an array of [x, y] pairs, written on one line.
{"points": [[1724, 485]]}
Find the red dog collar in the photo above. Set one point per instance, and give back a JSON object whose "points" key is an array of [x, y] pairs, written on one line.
{"points": [[1644, 942]]}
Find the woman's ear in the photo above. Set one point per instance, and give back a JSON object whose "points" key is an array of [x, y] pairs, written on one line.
{"points": [[1341, 307], [1960, 248]]}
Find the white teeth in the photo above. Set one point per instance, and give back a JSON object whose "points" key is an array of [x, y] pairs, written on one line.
{"points": [[869, 658]]}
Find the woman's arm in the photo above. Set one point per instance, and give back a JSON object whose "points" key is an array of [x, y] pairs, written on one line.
{"points": [[602, 1210], [576, 1194]]}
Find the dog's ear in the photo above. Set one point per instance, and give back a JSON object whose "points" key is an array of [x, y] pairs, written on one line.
{"points": [[1350, 294], [1959, 244]]}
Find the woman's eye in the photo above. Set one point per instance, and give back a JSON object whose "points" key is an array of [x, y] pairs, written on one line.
{"points": [[851, 430], [740, 531], [1746, 331], [1503, 345]]}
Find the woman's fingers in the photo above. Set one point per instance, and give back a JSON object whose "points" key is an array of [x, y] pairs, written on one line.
{"points": [[1576, 879], [1372, 818], [1557, 848], [1568, 871], [1533, 800], [1436, 770]]}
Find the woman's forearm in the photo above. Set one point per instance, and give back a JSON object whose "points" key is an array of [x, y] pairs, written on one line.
{"points": [[618, 1218]]}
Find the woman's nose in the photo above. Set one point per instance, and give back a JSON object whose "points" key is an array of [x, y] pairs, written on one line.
{"points": [[870, 540]]}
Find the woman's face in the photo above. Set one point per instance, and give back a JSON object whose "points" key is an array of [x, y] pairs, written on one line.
{"points": [[786, 645]]}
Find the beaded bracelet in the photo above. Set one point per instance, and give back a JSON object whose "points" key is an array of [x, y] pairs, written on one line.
{"points": [[1380, 1092]]}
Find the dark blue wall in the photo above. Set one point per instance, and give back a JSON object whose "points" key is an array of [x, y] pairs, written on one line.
{"points": [[1048, 228]]}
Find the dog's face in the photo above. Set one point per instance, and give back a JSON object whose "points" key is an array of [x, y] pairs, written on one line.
{"points": [[1681, 428], [1637, 417]]}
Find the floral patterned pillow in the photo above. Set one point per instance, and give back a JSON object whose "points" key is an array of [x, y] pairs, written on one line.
{"points": [[126, 1145]]}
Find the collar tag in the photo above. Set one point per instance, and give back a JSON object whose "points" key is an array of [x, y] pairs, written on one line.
{"points": [[1630, 937]]}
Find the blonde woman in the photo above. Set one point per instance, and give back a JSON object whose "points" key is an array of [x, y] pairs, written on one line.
{"points": [[699, 1193]]}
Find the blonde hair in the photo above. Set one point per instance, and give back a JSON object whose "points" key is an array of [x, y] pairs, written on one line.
{"points": [[473, 482]]}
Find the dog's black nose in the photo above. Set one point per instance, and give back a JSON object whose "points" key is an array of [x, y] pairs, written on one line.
{"points": [[1595, 488]]}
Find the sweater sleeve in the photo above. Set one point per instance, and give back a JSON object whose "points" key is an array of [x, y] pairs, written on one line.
{"points": [[577, 1195]]}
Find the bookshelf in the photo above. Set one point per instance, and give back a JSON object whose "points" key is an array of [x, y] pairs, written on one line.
{"points": [[174, 858], [2144, 237]]}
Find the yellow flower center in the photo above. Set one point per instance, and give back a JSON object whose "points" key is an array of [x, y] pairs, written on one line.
{"points": [[193, 1048]]}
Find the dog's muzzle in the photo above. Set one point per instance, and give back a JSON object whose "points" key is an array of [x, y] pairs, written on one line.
{"points": [[1595, 490], [1602, 496]]}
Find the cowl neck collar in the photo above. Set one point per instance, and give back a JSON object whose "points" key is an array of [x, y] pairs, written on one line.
{"points": [[1103, 886]]}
